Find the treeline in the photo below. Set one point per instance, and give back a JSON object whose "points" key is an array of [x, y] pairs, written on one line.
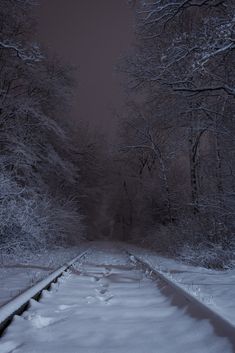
{"points": [[39, 165], [169, 182], [177, 156]]}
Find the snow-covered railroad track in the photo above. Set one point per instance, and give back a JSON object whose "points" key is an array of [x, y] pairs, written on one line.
{"points": [[108, 304], [182, 298], [19, 304]]}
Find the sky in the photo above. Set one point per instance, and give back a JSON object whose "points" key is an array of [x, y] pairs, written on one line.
{"points": [[91, 35]]}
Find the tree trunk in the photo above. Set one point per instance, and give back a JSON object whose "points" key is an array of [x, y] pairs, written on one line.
{"points": [[167, 188], [193, 171]]}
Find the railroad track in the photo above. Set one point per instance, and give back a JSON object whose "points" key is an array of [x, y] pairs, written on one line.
{"points": [[21, 303], [112, 302], [184, 299]]}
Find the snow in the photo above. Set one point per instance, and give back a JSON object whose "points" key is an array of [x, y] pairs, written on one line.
{"points": [[216, 289], [22, 299], [17, 273], [107, 305], [15, 280]]}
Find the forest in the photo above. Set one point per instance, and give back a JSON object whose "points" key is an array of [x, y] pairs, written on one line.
{"points": [[167, 182]]}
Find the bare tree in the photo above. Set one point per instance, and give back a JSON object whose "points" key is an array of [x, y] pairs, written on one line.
{"points": [[182, 68]]}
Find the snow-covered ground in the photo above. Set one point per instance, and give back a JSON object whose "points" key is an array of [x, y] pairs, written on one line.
{"points": [[107, 305], [214, 288], [18, 273]]}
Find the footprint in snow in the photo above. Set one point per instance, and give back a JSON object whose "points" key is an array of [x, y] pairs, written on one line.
{"points": [[37, 320], [102, 291], [90, 300]]}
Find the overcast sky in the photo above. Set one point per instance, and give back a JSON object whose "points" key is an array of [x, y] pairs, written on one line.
{"points": [[90, 34]]}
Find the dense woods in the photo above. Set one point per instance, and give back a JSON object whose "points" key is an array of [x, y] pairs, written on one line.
{"points": [[178, 133], [169, 180], [39, 178]]}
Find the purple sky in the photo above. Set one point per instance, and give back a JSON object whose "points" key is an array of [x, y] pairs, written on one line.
{"points": [[90, 34]]}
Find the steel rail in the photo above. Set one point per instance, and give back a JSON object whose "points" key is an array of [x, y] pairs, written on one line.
{"points": [[180, 297], [19, 304]]}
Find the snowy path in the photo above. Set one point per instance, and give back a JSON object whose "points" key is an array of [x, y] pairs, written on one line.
{"points": [[107, 306]]}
